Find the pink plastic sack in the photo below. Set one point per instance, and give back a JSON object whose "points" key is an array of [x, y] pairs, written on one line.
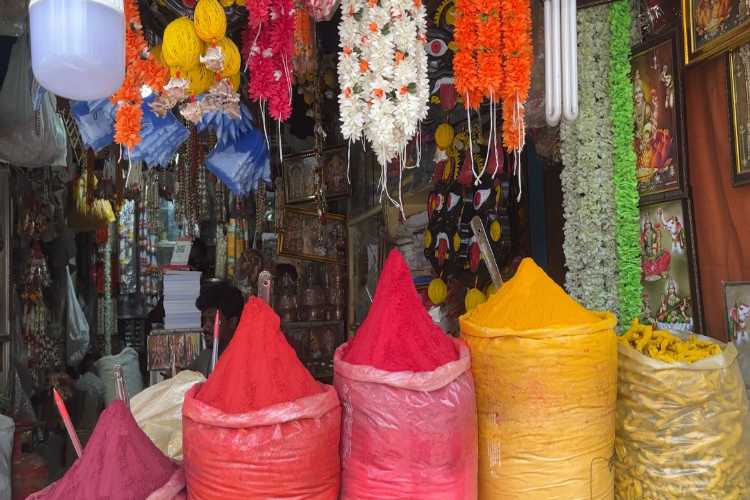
{"points": [[285, 451], [408, 434]]}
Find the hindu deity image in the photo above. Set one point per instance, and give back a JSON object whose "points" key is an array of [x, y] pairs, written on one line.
{"points": [[674, 311], [676, 231], [710, 16], [655, 260], [647, 316]]}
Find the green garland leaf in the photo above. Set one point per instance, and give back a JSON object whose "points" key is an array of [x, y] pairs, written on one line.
{"points": [[626, 184]]}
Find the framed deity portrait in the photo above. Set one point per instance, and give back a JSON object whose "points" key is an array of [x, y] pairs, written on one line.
{"points": [[737, 311], [739, 112], [712, 27], [668, 273], [659, 145], [305, 236], [301, 171]]}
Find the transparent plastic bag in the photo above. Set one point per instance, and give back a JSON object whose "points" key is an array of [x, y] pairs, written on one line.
{"points": [[77, 339], [546, 407], [131, 372], [683, 430], [28, 138], [285, 451], [158, 411], [408, 434]]}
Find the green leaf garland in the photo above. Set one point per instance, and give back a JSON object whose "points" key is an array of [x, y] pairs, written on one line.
{"points": [[623, 155]]}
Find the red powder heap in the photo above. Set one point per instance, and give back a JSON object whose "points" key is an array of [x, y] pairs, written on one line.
{"points": [[259, 368], [398, 334], [119, 463]]}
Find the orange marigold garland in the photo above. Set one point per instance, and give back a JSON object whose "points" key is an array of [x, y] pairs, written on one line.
{"points": [[141, 68], [517, 59]]}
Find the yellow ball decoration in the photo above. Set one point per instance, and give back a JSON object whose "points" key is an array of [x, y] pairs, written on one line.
{"points": [[210, 20], [231, 56], [235, 81], [496, 230], [181, 48], [200, 79], [456, 242], [444, 135], [226, 3], [427, 238], [473, 298], [437, 291]]}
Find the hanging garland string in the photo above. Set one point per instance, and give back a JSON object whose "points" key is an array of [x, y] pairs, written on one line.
{"points": [[587, 179], [625, 182]]}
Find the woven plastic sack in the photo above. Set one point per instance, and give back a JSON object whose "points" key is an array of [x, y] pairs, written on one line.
{"points": [[284, 451], [158, 411], [408, 434], [683, 430], [131, 372], [546, 410]]}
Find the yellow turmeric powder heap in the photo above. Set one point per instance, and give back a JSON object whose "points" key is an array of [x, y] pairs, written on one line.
{"points": [[528, 301]]}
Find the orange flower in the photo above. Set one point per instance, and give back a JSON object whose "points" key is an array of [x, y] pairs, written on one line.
{"points": [[378, 92], [374, 27], [399, 56], [128, 125], [404, 90], [347, 50], [364, 65], [347, 92]]}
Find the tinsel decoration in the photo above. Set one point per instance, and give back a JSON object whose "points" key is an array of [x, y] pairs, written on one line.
{"points": [[623, 155], [587, 179]]}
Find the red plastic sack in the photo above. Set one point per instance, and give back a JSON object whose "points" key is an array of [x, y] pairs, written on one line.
{"points": [[408, 434], [285, 451]]}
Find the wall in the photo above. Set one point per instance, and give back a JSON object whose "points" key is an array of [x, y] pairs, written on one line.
{"points": [[722, 212]]}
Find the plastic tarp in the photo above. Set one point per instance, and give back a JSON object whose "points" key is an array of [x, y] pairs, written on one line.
{"points": [[158, 411], [285, 451], [408, 434], [7, 428], [683, 430], [131, 372], [546, 410]]}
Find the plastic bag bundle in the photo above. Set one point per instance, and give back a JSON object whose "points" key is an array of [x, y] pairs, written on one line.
{"points": [[131, 372], [96, 124], [683, 429], [288, 450], [242, 164], [408, 434], [161, 137], [158, 411], [226, 128], [77, 339]]}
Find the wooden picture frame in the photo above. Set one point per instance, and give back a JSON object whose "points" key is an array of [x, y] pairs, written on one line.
{"points": [[736, 296], [660, 149], [669, 270], [300, 175], [738, 69], [302, 236], [712, 27]]}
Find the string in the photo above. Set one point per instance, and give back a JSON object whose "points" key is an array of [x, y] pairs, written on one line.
{"points": [[281, 149], [263, 118], [254, 46], [471, 147], [348, 161]]}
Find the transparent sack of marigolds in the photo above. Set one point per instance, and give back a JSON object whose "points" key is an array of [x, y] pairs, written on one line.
{"points": [[683, 429]]}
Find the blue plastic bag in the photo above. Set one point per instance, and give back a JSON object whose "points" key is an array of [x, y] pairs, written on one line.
{"points": [[96, 122]]}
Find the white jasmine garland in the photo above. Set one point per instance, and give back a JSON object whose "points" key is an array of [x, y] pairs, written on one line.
{"points": [[382, 73]]}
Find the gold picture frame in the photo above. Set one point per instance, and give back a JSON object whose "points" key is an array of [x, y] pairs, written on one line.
{"points": [[300, 175], [302, 236], [713, 27], [739, 113]]}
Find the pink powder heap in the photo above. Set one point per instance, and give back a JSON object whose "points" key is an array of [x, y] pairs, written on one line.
{"points": [[398, 334], [259, 368], [119, 463]]}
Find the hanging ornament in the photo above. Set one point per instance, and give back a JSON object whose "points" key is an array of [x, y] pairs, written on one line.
{"points": [[210, 21], [437, 291]]}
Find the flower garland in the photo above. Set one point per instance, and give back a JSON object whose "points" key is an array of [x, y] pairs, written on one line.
{"points": [[587, 179], [269, 48], [625, 182], [141, 68], [517, 61], [382, 73]]}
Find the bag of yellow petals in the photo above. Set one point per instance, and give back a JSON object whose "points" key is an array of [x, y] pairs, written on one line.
{"points": [[683, 428]]}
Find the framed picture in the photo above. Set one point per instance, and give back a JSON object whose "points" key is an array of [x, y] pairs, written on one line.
{"points": [[739, 112], [300, 174], [737, 310], [659, 148], [367, 235], [668, 271], [305, 237], [711, 27]]}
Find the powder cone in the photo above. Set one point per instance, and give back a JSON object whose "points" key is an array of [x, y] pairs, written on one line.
{"points": [[119, 463], [528, 301], [398, 334], [259, 368]]}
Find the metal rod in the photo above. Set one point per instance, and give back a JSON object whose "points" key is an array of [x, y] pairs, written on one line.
{"points": [[486, 251]]}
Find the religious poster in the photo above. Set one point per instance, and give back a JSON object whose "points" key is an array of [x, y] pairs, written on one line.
{"points": [[657, 125], [737, 311], [739, 102], [667, 267], [712, 27]]}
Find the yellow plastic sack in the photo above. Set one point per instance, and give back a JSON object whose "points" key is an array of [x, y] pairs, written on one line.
{"points": [[158, 411], [546, 410], [683, 430]]}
